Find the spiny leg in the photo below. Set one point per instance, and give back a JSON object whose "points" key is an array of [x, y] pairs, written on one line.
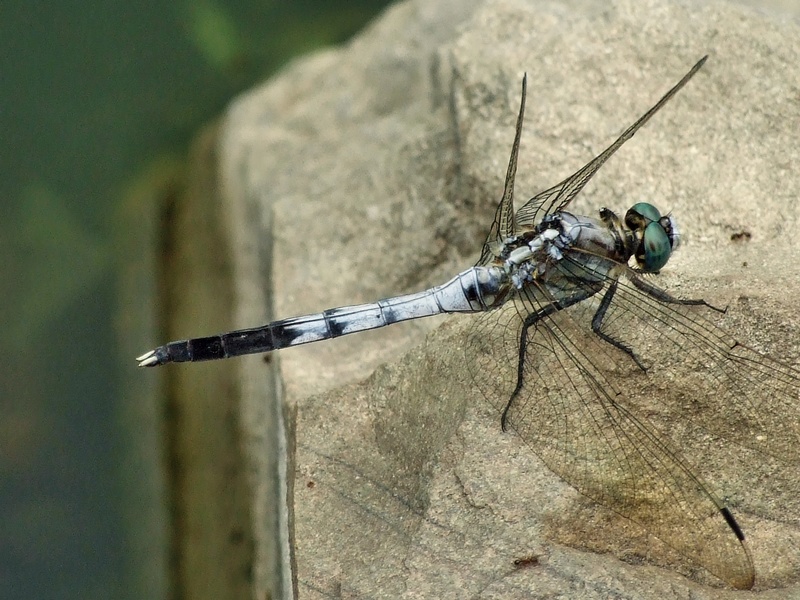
{"points": [[662, 296], [597, 324], [652, 291], [529, 321]]}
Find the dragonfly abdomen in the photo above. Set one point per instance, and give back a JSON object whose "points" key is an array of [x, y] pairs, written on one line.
{"points": [[473, 290]]}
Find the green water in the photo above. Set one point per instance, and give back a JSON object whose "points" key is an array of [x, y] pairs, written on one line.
{"points": [[92, 95]]}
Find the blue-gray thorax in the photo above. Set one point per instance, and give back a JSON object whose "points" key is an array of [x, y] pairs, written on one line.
{"points": [[566, 256], [563, 244]]}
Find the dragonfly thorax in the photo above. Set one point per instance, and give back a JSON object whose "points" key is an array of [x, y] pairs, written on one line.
{"points": [[538, 254], [563, 242]]}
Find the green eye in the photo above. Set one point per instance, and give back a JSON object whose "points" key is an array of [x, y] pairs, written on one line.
{"points": [[659, 235], [647, 210], [656, 247]]}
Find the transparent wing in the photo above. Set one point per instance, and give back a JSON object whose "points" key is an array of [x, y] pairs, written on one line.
{"points": [[560, 195], [723, 386], [504, 225], [576, 410]]}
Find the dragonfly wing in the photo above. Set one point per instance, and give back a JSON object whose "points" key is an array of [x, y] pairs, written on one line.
{"points": [[560, 195], [504, 224], [585, 430], [718, 383]]}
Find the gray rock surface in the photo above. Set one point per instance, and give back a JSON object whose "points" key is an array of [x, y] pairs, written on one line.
{"points": [[376, 169]]}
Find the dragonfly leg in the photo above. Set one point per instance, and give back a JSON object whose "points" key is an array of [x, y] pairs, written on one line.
{"points": [[597, 324], [529, 321], [663, 296]]}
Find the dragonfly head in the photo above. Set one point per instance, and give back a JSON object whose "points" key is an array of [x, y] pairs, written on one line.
{"points": [[656, 236]]}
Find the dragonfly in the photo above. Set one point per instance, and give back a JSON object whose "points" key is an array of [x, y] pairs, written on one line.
{"points": [[570, 318]]}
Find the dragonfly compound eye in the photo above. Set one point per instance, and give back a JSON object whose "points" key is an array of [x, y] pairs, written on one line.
{"points": [[655, 248], [643, 210], [654, 233]]}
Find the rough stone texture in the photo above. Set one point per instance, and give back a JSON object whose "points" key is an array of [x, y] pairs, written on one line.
{"points": [[377, 167]]}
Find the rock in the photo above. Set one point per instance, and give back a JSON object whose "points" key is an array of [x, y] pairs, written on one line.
{"points": [[374, 170]]}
